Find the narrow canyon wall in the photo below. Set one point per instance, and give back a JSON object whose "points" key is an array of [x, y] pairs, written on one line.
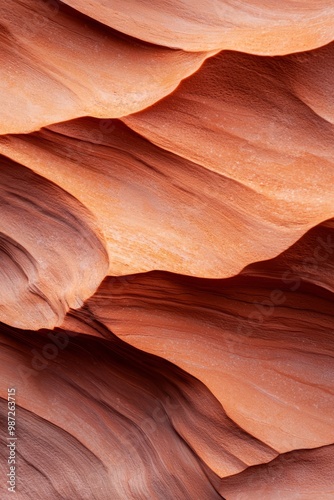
{"points": [[167, 250]]}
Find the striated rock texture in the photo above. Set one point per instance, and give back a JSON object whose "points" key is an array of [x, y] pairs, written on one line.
{"points": [[256, 26], [52, 257], [167, 249], [58, 64]]}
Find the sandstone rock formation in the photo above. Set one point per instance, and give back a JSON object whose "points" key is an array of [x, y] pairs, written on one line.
{"points": [[167, 249], [257, 27]]}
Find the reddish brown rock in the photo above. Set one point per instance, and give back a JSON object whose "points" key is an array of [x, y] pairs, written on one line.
{"points": [[100, 419], [261, 342], [58, 65], [302, 474], [259, 27], [248, 122], [309, 260], [161, 211], [210, 376], [52, 256]]}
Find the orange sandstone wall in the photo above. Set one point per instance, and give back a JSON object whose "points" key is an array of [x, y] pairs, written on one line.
{"points": [[166, 250]]}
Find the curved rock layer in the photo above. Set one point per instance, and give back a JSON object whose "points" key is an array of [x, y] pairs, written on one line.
{"points": [[268, 343], [161, 211], [300, 474], [130, 412], [167, 248], [254, 26], [287, 157], [51, 258], [58, 65]]}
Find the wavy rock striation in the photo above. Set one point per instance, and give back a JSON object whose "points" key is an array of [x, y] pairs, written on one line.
{"points": [[51, 256], [139, 426], [84, 74], [167, 248], [257, 27], [258, 332]]}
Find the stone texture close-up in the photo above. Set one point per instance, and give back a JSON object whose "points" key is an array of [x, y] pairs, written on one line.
{"points": [[167, 250]]}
